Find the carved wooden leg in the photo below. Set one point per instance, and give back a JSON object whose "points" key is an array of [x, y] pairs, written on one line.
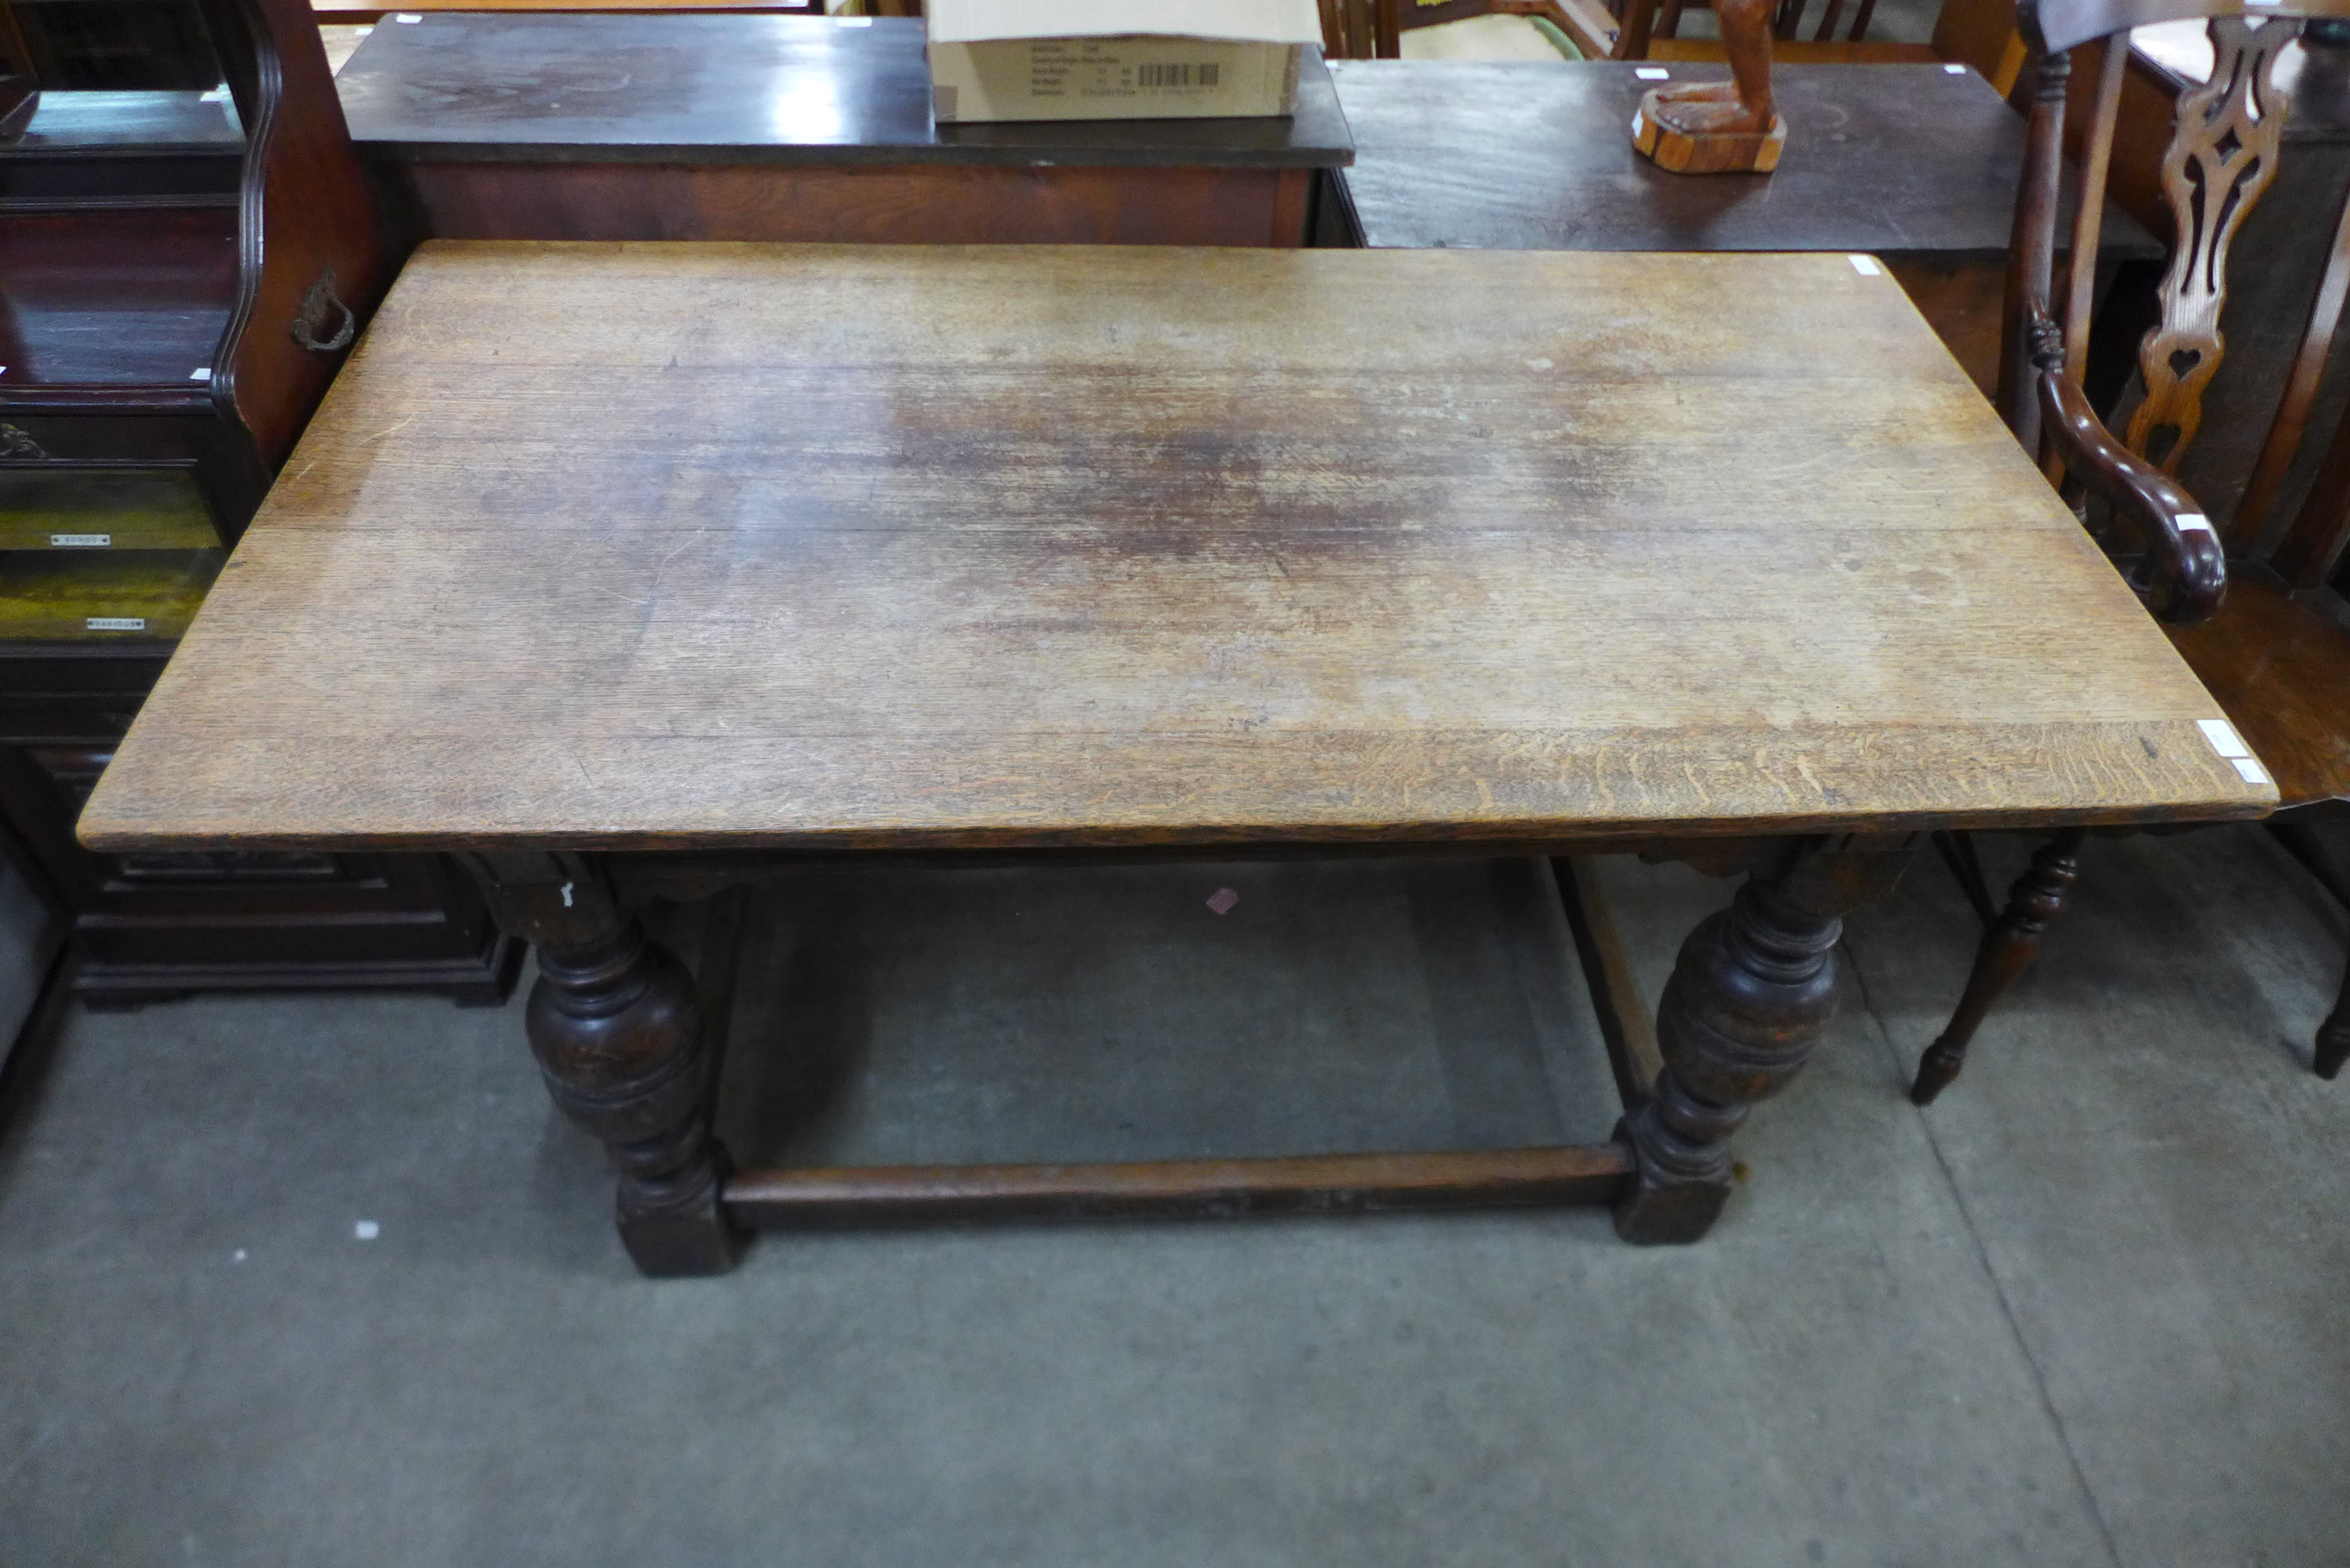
{"points": [[1753, 987], [2008, 950], [617, 1034]]}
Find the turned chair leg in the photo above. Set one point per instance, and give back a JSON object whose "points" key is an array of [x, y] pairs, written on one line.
{"points": [[2302, 842], [2333, 1034], [2008, 950]]}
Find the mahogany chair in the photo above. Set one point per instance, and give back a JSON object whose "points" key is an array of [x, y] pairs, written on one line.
{"points": [[2260, 616]]}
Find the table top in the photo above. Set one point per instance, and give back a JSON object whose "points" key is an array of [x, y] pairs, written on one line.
{"points": [[1892, 160], [713, 545], [619, 87], [2314, 83]]}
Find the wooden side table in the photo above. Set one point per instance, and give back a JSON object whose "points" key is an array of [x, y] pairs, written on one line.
{"points": [[739, 127], [1156, 553]]}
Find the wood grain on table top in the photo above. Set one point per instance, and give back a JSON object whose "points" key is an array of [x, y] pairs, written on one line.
{"points": [[707, 544]]}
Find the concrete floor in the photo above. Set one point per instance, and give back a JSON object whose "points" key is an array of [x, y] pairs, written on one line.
{"points": [[2094, 1308]]}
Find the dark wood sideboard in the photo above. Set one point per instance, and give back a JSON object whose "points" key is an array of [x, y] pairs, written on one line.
{"points": [[182, 270], [735, 127]]}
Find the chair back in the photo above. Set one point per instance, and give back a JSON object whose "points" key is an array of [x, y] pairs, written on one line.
{"points": [[2223, 153]]}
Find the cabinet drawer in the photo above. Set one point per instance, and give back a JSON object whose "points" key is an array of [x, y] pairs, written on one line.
{"points": [[94, 595], [92, 506]]}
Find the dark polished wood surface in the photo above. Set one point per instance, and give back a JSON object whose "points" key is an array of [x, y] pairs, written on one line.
{"points": [[89, 146], [1893, 159], [142, 121], [114, 297], [717, 89]]}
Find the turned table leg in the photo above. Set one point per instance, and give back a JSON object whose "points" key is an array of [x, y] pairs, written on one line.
{"points": [[1753, 987], [618, 1038]]}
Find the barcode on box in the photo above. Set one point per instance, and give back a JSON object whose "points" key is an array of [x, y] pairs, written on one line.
{"points": [[1205, 75], [117, 623]]}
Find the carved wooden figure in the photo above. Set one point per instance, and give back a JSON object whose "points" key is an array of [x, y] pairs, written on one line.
{"points": [[2262, 629], [1719, 128]]}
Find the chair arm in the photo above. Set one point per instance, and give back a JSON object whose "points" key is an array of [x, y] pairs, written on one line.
{"points": [[2187, 567]]}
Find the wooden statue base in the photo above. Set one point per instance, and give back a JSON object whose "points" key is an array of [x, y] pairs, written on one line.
{"points": [[1705, 152]]}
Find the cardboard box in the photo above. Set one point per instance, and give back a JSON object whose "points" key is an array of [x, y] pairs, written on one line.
{"points": [[1116, 59]]}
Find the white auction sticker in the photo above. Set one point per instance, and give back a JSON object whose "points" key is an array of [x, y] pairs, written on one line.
{"points": [[2194, 522], [1652, 73], [2250, 770], [1954, 70], [117, 623], [2224, 738], [1866, 265]]}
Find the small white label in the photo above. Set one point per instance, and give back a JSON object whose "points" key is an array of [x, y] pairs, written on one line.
{"points": [[2194, 522], [117, 623], [2263, 1], [1954, 70], [2223, 737], [409, 17], [81, 541], [2250, 771], [1639, 122], [366, 1231], [1866, 265], [1652, 73], [201, 373]]}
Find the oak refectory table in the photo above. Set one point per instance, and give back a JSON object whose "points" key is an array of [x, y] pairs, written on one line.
{"points": [[623, 570]]}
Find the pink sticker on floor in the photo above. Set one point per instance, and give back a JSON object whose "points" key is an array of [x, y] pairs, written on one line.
{"points": [[1222, 899]]}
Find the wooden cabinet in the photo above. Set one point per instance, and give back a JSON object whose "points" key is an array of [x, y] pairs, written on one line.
{"points": [[188, 246]]}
